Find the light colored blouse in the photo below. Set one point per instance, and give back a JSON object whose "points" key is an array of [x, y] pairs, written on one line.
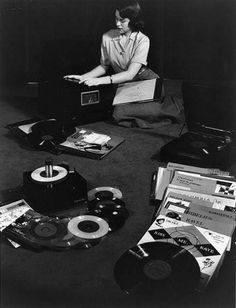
{"points": [[119, 56]]}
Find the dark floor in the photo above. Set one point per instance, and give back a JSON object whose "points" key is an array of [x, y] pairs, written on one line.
{"points": [[84, 278]]}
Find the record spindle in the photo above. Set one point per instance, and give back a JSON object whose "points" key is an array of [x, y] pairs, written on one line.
{"points": [[49, 167]]}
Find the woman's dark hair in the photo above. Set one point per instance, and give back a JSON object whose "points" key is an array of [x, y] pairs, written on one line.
{"points": [[132, 10]]}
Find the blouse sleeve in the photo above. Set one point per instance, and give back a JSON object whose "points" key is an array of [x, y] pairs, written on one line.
{"points": [[104, 60], [141, 52]]}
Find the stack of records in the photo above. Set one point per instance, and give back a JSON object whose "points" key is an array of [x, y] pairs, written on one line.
{"points": [[197, 211], [184, 247], [23, 226]]}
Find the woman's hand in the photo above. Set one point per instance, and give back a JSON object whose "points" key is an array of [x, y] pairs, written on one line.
{"points": [[88, 81], [74, 78], [92, 81]]}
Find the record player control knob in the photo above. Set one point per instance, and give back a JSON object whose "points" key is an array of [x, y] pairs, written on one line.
{"points": [[49, 167], [228, 139]]}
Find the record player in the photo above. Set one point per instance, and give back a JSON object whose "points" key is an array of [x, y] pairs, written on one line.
{"points": [[42, 134], [210, 117], [201, 146], [75, 103]]}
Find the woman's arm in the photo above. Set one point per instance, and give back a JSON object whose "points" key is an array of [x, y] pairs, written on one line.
{"points": [[121, 77], [94, 73]]}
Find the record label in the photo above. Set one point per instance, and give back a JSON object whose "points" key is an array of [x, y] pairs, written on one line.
{"points": [[157, 269], [39, 175], [88, 227], [44, 230], [104, 193]]}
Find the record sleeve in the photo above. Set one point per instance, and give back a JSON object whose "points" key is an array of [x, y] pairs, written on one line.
{"points": [[36, 231], [206, 246], [89, 143]]}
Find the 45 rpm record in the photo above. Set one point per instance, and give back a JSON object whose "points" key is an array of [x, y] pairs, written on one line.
{"points": [[39, 175], [113, 212], [88, 227], [107, 204], [159, 268], [105, 192], [68, 241], [44, 230]]}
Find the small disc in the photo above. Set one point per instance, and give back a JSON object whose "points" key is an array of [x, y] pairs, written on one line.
{"points": [[88, 227], [59, 173], [94, 193]]}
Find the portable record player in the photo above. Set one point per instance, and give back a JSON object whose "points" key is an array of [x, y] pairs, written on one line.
{"points": [[52, 188], [42, 134], [202, 146], [56, 137], [75, 103], [210, 117]]}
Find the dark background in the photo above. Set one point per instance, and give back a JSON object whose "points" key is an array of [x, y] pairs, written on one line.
{"points": [[190, 39]]}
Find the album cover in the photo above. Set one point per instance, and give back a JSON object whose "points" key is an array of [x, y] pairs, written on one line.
{"points": [[90, 143], [207, 247], [163, 178], [11, 211], [14, 219], [204, 184], [136, 91], [216, 202], [164, 175], [181, 167], [200, 215]]}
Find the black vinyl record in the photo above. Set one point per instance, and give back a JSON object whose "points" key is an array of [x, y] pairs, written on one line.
{"points": [[96, 204], [158, 269], [113, 211], [48, 133]]}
